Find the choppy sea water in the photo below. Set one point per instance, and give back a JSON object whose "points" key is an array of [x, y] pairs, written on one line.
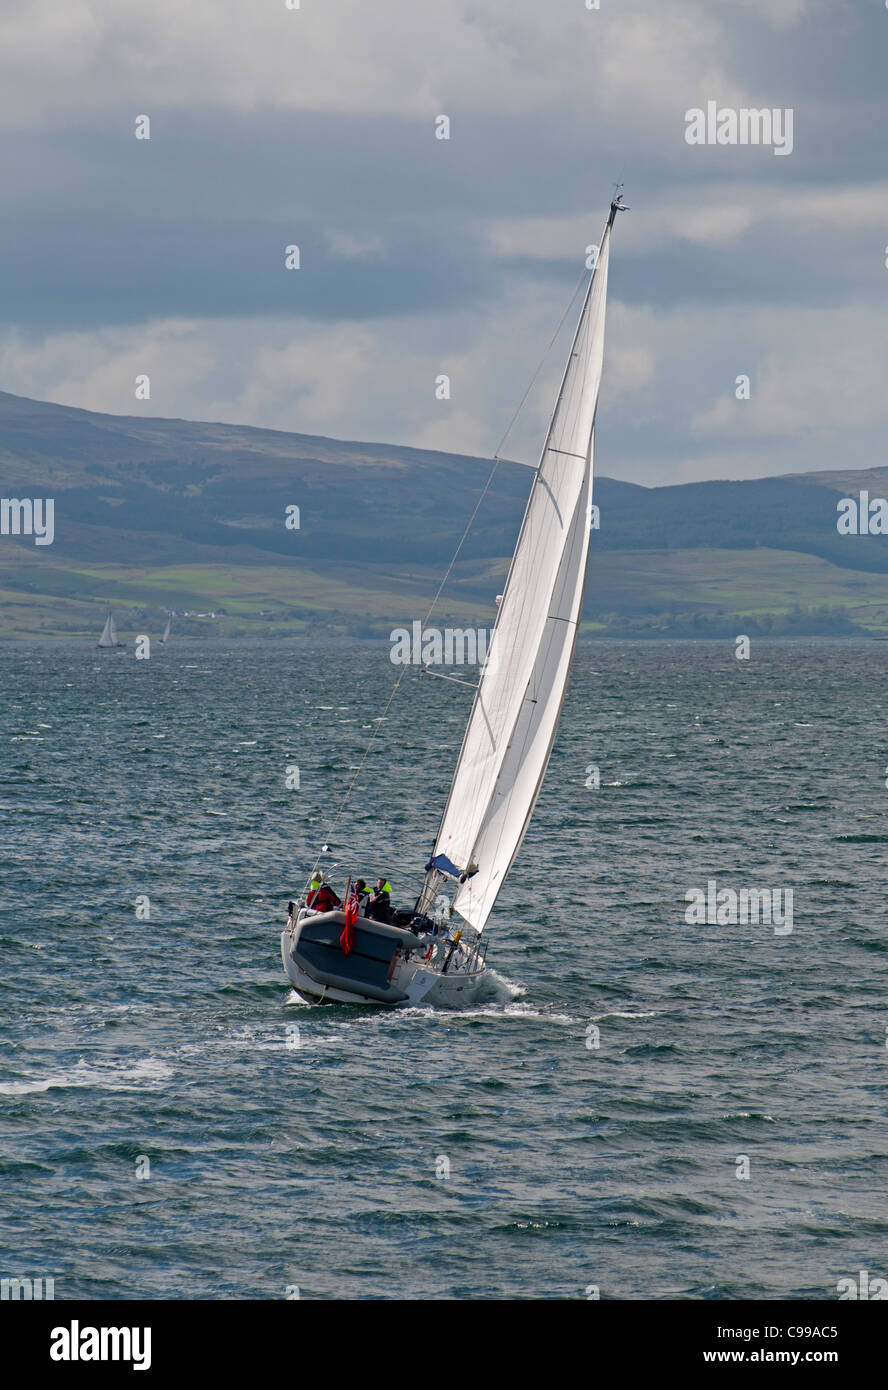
{"points": [[295, 1147]]}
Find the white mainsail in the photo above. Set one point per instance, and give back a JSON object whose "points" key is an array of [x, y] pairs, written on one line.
{"points": [[518, 702], [109, 635], [166, 631]]}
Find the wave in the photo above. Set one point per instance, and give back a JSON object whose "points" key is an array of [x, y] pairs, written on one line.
{"points": [[150, 1071], [620, 1013]]}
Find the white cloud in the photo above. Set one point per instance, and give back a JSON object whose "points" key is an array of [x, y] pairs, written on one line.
{"points": [[668, 409], [716, 216], [352, 248], [85, 58], [819, 377], [785, 13], [371, 380]]}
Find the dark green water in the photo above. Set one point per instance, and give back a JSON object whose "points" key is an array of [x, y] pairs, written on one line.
{"points": [[299, 1147]]}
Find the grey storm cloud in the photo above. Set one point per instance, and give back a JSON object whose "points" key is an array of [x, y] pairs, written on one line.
{"points": [[316, 127]]}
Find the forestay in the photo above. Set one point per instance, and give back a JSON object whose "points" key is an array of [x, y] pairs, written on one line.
{"points": [[517, 705]]}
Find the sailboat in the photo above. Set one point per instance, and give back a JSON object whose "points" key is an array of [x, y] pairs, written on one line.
{"points": [[109, 634], [420, 956], [166, 632]]}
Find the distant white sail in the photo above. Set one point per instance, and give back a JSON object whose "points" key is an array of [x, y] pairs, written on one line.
{"points": [[109, 635], [166, 631], [515, 714]]}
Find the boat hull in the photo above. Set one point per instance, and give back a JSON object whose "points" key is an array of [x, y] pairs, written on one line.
{"points": [[386, 966]]}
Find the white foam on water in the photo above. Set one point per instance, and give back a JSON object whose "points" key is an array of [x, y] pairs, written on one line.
{"points": [[620, 1013], [256, 1040], [747, 1115], [528, 1011], [108, 1078], [510, 1012], [508, 988]]}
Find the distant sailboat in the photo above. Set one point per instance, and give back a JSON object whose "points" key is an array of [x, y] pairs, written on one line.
{"points": [[331, 956], [109, 635], [166, 632]]}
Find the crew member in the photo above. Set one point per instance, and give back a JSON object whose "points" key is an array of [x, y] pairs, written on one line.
{"points": [[321, 896], [380, 909]]}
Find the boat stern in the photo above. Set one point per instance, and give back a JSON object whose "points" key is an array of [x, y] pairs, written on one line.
{"points": [[319, 968]]}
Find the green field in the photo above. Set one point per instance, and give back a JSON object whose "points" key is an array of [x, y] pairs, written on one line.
{"points": [[154, 515], [647, 592]]}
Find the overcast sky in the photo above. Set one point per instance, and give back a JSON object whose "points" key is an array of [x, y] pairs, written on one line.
{"points": [[316, 126]]}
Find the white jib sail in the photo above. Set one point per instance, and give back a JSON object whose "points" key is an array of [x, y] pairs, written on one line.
{"points": [[513, 721], [166, 631], [109, 635]]}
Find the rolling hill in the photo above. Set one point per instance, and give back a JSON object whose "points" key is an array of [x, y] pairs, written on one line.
{"points": [[154, 515]]}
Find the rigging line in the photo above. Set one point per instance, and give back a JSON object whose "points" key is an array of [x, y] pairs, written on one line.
{"points": [[561, 322], [497, 451], [580, 281], [540, 364], [462, 539], [404, 668]]}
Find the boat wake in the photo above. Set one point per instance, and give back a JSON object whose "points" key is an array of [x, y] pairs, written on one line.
{"points": [[146, 1073], [496, 989], [493, 992]]}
